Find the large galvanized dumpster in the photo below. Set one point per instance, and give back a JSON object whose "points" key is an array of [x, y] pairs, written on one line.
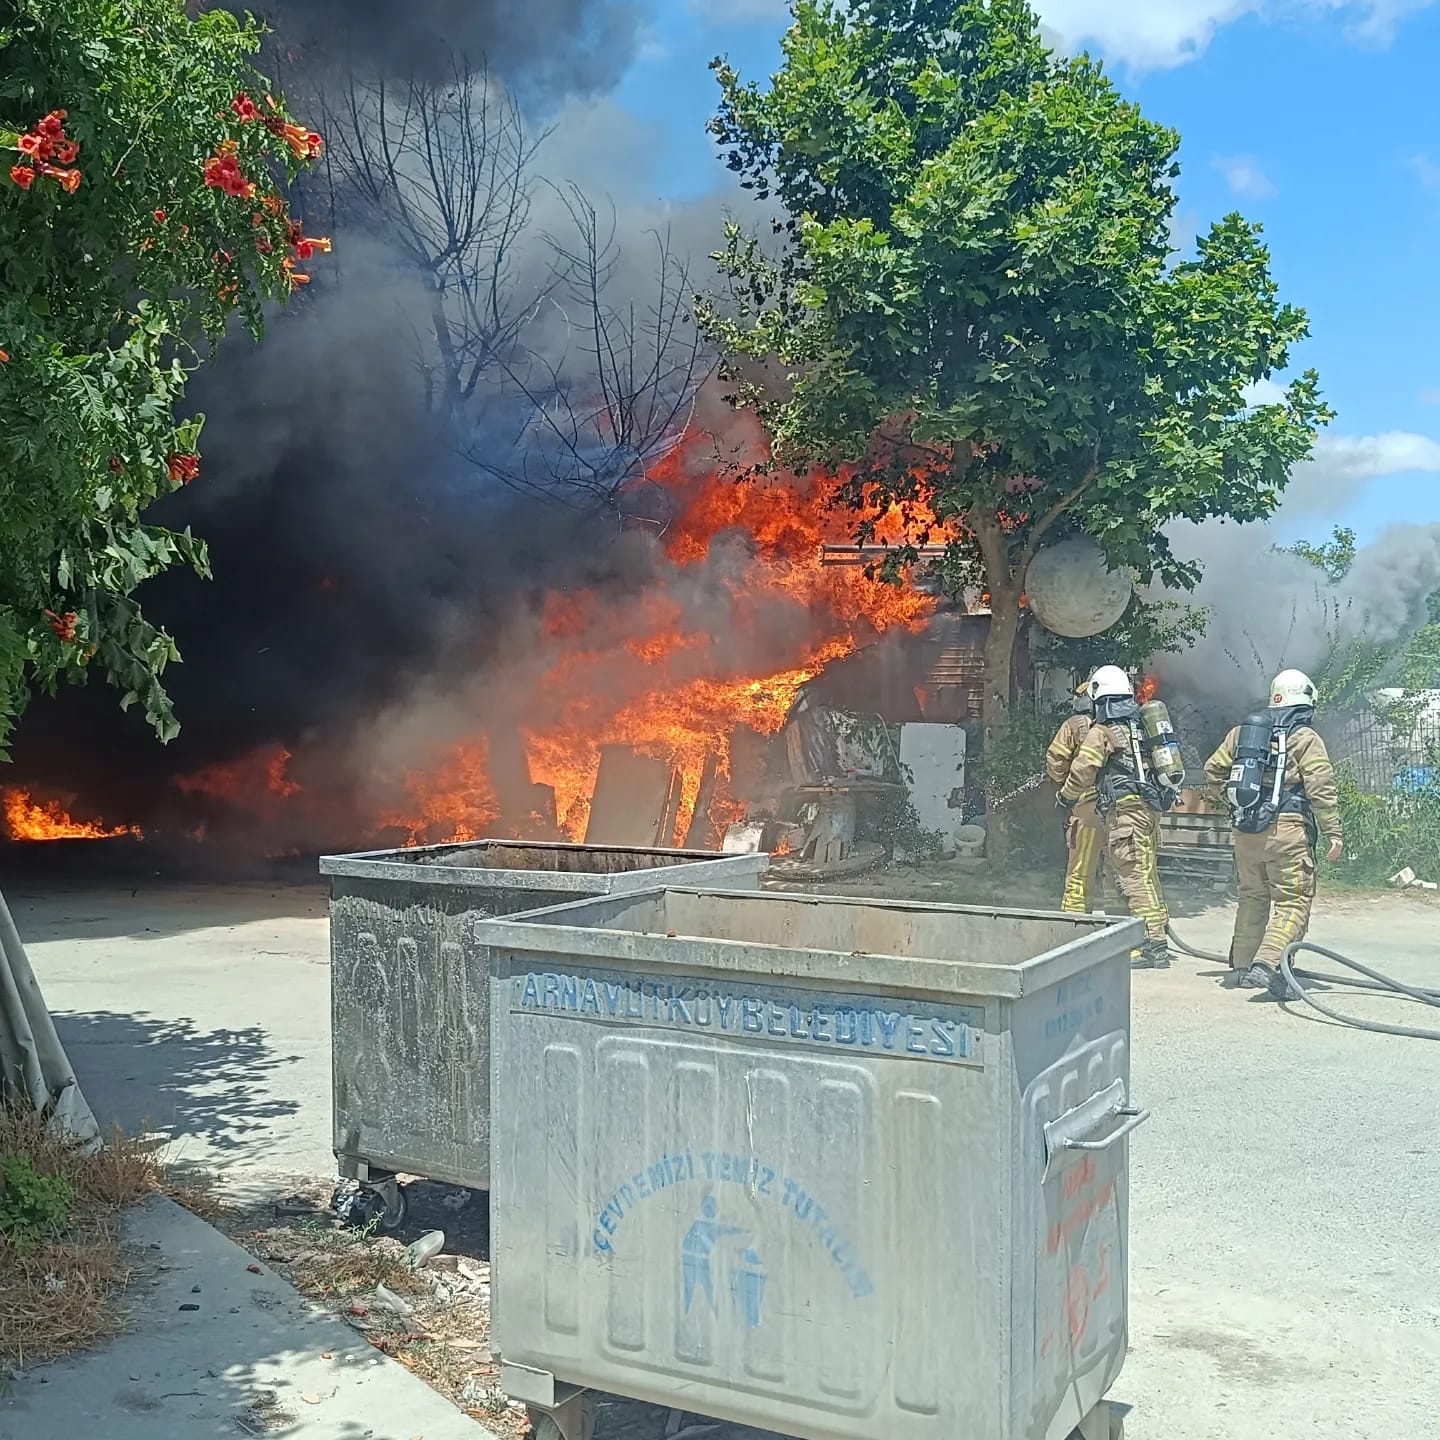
{"points": [[410, 1005], [837, 1168]]}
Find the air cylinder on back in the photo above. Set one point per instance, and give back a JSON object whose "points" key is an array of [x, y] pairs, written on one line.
{"points": [[1245, 789], [1162, 744]]}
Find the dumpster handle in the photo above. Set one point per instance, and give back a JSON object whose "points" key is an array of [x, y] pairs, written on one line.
{"points": [[1134, 1119], [1072, 1130]]}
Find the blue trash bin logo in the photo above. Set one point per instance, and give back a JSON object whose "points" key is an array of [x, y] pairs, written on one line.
{"points": [[747, 1290], [700, 1251]]}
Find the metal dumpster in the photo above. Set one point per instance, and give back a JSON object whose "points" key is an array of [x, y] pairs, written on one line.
{"points": [[838, 1168], [410, 1003]]}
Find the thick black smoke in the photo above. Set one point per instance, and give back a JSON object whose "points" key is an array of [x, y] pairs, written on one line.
{"points": [[358, 559], [547, 50]]}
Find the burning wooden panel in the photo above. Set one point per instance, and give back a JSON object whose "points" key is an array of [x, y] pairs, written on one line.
{"points": [[634, 798]]}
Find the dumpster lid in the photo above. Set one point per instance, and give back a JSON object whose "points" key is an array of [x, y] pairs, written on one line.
{"points": [[501, 864], [883, 945]]}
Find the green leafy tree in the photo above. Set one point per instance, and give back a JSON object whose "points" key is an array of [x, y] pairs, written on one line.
{"points": [[1149, 628], [973, 309], [1333, 557], [143, 212]]}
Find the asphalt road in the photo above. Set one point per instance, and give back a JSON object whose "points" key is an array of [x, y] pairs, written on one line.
{"points": [[1285, 1195]]}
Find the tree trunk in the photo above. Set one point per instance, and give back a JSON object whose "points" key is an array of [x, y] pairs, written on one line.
{"points": [[1006, 574], [995, 702]]}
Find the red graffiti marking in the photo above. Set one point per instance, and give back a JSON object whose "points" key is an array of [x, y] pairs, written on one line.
{"points": [[1079, 1217], [1077, 1303], [1104, 1284], [1078, 1178]]}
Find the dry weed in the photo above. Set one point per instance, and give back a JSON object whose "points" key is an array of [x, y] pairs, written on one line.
{"points": [[61, 1292], [337, 1263], [199, 1193]]}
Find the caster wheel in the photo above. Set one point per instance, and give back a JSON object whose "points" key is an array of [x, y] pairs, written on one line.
{"points": [[367, 1208], [1105, 1423], [546, 1426], [389, 1213]]}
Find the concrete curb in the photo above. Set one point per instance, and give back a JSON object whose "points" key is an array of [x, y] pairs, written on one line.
{"points": [[248, 1360]]}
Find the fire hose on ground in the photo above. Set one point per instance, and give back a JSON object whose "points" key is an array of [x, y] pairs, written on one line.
{"points": [[1375, 982]]}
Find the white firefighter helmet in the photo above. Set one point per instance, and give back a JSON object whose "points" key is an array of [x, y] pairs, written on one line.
{"points": [[1110, 682], [1291, 687]]}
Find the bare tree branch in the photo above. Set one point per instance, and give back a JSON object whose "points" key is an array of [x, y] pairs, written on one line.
{"points": [[444, 171], [617, 392]]}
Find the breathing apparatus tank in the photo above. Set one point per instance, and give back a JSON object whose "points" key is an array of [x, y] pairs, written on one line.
{"points": [[1162, 745], [1251, 809]]}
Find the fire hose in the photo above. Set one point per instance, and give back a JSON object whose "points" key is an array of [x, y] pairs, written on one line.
{"points": [[1375, 982]]}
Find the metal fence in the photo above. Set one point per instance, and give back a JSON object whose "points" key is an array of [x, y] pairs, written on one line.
{"points": [[1392, 748]]}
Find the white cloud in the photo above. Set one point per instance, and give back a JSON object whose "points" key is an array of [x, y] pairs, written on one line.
{"points": [[1143, 34], [1245, 177], [1153, 35], [1159, 34], [1427, 169], [1343, 464], [1382, 16], [1265, 392], [653, 49]]}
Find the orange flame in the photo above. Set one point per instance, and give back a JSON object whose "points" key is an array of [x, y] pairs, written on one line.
{"points": [[1147, 689], [260, 774], [740, 613], [29, 819], [682, 696], [463, 809]]}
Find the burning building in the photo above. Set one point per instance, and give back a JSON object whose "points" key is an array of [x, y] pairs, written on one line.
{"points": [[683, 641]]}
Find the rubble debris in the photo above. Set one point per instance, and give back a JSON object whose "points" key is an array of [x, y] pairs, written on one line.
{"points": [[1407, 879], [743, 839], [296, 1205], [425, 1249], [389, 1300], [866, 855]]}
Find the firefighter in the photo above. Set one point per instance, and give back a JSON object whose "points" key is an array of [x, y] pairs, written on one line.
{"points": [[1275, 774], [1111, 764], [1084, 834]]}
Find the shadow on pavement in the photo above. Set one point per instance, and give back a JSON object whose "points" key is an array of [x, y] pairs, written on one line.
{"points": [[105, 908], [216, 1086]]}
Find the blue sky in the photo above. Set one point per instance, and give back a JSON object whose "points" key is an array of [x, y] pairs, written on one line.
{"points": [[1318, 118]]}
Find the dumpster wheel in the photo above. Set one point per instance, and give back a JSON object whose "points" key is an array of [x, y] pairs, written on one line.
{"points": [[575, 1420], [383, 1205], [388, 1204], [1105, 1422]]}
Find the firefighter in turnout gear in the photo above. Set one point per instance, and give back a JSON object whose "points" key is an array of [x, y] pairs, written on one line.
{"points": [[1084, 834], [1274, 773], [1120, 764]]}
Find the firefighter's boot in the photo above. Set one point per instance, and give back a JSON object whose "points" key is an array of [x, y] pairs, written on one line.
{"points": [[1154, 954], [1265, 977]]}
